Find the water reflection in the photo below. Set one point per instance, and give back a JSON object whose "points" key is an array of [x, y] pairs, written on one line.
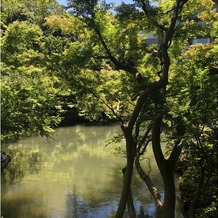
{"points": [[73, 175]]}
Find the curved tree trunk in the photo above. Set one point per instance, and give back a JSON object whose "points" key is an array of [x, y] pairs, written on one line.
{"points": [[167, 173]]}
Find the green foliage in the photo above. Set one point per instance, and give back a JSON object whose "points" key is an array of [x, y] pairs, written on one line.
{"points": [[95, 53], [193, 107], [29, 89], [27, 109], [19, 44], [32, 10]]}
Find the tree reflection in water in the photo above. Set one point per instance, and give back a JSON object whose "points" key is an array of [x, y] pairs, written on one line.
{"points": [[24, 160], [73, 175]]}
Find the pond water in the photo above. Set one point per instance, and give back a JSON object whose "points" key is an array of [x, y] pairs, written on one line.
{"points": [[73, 175]]}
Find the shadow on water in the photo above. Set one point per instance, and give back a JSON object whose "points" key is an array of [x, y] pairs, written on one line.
{"points": [[71, 176]]}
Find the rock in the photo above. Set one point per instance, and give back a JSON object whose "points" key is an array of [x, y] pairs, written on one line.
{"points": [[5, 160]]}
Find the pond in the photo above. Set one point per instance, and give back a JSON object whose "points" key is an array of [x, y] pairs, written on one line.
{"points": [[72, 175]]}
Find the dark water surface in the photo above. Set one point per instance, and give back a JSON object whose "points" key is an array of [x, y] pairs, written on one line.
{"points": [[73, 175]]}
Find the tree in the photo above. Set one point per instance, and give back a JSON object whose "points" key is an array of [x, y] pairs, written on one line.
{"points": [[199, 100], [29, 87], [28, 93], [33, 11], [139, 90]]}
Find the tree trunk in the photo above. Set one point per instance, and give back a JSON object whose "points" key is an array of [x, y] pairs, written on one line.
{"points": [[130, 205], [126, 188], [168, 209], [130, 152], [167, 172]]}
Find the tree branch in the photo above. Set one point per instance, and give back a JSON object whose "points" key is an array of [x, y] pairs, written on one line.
{"points": [[119, 66], [172, 160], [146, 178], [142, 99], [160, 159], [146, 11], [137, 126], [167, 40]]}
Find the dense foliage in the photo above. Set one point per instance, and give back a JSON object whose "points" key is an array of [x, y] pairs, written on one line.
{"points": [[161, 89], [29, 85]]}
